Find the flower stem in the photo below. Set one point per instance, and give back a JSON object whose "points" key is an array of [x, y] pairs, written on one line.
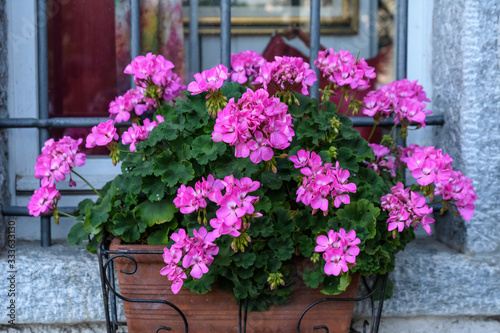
{"points": [[396, 139], [341, 100], [129, 152], [85, 180], [371, 133], [65, 214]]}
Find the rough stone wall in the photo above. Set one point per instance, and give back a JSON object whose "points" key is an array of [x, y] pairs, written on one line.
{"points": [[467, 90], [4, 191]]}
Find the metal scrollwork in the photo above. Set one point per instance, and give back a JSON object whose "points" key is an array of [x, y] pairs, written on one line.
{"points": [[106, 266]]}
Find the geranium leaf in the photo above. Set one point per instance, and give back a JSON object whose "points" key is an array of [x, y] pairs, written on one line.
{"points": [[77, 234], [244, 260], [202, 285], [178, 173], [161, 236], [156, 212], [127, 226], [283, 247], [360, 216], [161, 163], [312, 278], [347, 160], [205, 149], [306, 245]]}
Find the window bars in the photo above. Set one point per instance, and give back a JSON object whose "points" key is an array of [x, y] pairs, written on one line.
{"points": [[43, 122]]}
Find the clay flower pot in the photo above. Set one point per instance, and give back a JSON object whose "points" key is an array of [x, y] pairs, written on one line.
{"points": [[217, 311]]}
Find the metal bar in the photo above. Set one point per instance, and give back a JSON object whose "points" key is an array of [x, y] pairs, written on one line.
{"points": [[135, 28], [135, 33], [23, 211], [90, 122], [401, 38], [225, 32], [194, 39], [401, 47], [55, 122], [43, 98], [314, 46]]}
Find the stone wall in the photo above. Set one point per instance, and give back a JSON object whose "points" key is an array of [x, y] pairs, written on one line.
{"points": [[467, 91], [4, 191]]}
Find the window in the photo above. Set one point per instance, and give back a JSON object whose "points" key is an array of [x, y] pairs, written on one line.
{"points": [[99, 30]]}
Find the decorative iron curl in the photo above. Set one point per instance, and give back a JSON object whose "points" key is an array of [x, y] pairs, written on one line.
{"points": [[106, 285], [375, 318]]}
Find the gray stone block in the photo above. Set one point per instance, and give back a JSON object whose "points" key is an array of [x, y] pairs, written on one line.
{"points": [[467, 91]]}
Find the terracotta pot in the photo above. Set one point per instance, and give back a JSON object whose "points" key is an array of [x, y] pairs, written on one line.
{"points": [[217, 311]]}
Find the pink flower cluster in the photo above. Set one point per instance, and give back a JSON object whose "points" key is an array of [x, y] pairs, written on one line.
{"points": [[57, 159], [286, 74], [405, 98], [340, 250], [405, 209], [234, 204], [429, 165], [52, 166], [343, 69], [132, 101], [245, 65], [138, 133], [321, 182], [43, 200], [255, 125], [153, 69], [197, 253], [102, 134], [383, 162], [209, 80], [150, 72]]}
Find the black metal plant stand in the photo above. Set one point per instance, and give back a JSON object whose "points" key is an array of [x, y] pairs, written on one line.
{"points": [[110, 294]]}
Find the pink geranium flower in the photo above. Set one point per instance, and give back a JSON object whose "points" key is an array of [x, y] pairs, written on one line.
{"points": [[43, 200], [209, 80], [102, 134]]}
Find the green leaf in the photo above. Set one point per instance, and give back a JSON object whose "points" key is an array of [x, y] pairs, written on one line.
{"points": [[181, 149], [284, 224], [306, 245], [77, 234], [233, 90], [244, 289], [312, 278], [161, 163], [305, 106], [264, 204], [331, 285], [178, 173], [360, 216], [244, 259], [261, 225], [205, 149], [164, 131], [273, 180], [156, 212], [127, 183], [345, 280], [143, 168], [283, 247], [127, 226], [162, 236], [202, 285], [154, 188], [347, 159], [307, 128]]}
